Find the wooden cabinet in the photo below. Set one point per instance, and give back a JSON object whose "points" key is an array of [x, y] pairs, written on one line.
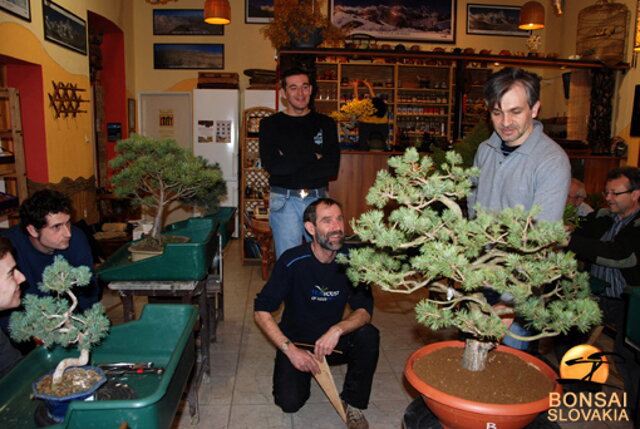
{"points": [[254, 181], [12, 163], [419, 97]]}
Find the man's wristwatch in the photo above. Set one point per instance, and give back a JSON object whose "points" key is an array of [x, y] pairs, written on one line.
{"points": [[285, 346]]}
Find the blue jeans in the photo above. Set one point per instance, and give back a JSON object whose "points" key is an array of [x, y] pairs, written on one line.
{"points": [[285, 219]]}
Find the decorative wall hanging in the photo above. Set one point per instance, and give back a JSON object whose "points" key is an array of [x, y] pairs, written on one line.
{"points": [[65, 99], [64, 28], [20, 9], [602, 31]]}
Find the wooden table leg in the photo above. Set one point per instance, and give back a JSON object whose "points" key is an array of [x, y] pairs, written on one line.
{"points": [[127, 305]]}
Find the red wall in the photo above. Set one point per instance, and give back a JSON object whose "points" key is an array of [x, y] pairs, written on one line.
{"points": [[28, 79]]}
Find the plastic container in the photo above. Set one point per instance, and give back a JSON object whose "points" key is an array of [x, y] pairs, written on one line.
{"points": [[158, 395], [179, 261]]}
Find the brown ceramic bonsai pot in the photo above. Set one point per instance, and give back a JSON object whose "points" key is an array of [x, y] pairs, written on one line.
{"points": [[458, 413]]}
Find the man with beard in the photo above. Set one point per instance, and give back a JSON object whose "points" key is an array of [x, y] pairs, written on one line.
{"points": [[45, 231], [315, 290], [519, 164]]}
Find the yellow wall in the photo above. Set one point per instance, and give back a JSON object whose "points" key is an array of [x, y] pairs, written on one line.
{"points": [[69, 154], [69, 141]]}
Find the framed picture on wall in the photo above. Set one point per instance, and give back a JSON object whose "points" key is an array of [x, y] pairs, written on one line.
{"points": [[19, 8], [430, 21], [188, 56], [64, 28], [183, 22], [490, 20], [258, 11]]}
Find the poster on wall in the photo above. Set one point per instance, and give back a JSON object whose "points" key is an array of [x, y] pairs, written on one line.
{"points": [[258, 11], [19, 8], [205, 131], [419, 20], [188, 56], [494, 20], [183, 22], [64, 28], [223, 131], [165, 123]]}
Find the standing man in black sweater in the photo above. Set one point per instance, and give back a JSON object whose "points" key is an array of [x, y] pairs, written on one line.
{"points": [[299, 148]]}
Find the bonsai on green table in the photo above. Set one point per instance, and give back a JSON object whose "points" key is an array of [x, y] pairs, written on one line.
{"points": [[426, 242], [157, 172], [52, 320]]}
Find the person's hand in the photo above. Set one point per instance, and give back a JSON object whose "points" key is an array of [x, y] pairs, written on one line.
{"points": [[318, 155], [327, 342], [302, 360]]}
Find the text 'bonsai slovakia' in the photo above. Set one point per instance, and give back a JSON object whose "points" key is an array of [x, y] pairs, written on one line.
{"points": [[156, 172], [427, 242], [51, 318]]}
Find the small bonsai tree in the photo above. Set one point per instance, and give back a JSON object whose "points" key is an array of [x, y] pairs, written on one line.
{"points": [[154, 173], [51, 319], [426, 242]]}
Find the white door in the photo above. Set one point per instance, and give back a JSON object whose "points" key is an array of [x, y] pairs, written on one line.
{"points": [[166, 114]]}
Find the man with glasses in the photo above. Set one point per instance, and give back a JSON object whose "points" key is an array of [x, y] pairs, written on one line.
{"points": [[299, 149], [609, 240]]}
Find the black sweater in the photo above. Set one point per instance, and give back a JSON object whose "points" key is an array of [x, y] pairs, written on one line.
{"points": [[288, 148], [315, 295], [623, 252]]}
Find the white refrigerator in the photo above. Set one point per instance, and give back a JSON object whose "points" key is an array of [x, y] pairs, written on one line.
{"points": [[216, 122]]}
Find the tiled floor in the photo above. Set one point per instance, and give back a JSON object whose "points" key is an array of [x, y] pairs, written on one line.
{"points": [[238, 394]]}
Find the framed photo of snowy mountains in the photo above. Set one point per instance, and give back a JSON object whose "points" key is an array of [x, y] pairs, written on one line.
{"points": [[430, 21], [494, 20]]}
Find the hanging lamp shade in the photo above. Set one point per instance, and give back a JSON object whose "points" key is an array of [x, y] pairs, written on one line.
{"points": [[217, 12], [531, 16]]}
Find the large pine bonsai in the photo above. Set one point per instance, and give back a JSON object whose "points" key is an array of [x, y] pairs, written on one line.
{"points": [[426, 242], [52, 320], [156, 172]]}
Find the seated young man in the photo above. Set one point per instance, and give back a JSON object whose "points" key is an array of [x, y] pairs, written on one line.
{"points": [[45, 231], [10, 279]]}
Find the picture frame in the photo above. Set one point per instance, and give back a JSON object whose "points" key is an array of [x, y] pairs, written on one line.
{"points": [[352, 14], [63, 27], [19, 8], [188, 56], [183, 22], [258, 11], [131, 114], [493, 20]]}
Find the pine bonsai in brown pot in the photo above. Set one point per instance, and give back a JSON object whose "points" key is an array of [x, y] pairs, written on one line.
{"points": [[425, 241]]}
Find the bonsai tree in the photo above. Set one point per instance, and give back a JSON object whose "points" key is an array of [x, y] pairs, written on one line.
{"points": [[52, 320], [154, 173], [426, 242]]}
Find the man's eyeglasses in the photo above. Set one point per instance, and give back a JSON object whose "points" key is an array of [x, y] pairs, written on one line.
{"points": [[615, 194]]}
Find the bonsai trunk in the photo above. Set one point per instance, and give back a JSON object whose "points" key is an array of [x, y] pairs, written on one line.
{"points": [[157, 222], [66, 363], [475, 355]]}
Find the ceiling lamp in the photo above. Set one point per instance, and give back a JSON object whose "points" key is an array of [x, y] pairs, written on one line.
{"points": [[217, 12], [531, 16]]}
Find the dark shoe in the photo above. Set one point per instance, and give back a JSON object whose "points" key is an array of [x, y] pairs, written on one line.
{"points": [[355, 417]]}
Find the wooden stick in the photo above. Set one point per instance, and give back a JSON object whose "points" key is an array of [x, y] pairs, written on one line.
{"points": [[312, 346], [328, 385]]}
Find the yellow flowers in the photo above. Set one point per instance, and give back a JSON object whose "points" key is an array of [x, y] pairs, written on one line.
{"points": [[354, 110]]}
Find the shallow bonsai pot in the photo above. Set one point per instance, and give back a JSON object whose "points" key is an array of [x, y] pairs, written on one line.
{"points": [[458, 413], [57, 405]]}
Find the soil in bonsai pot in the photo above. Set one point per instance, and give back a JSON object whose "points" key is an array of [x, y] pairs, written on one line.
{"points": [[506, 380], [74, 380]]}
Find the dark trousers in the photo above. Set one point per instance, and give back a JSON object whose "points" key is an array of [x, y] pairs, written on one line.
{"points": [[291, 388]]}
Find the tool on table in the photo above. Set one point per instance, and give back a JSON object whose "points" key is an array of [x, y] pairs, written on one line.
{"points": [[122, 368], [328, 385]]}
